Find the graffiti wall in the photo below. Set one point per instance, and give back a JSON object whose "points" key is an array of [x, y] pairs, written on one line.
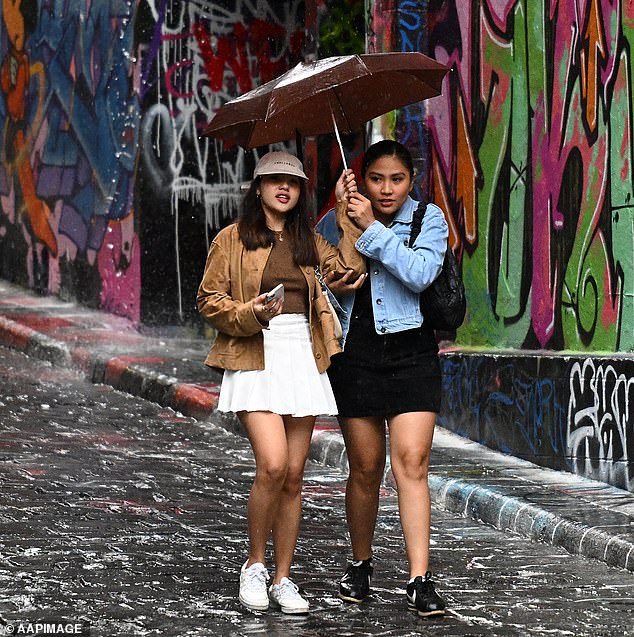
{"points": [[569, 413], [395, 25], [195, 56], [108, 193], [529, 152], [532, 155], [70, 114]]}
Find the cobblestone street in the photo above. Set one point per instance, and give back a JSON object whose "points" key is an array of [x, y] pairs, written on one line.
{"points": [[126, 515]]}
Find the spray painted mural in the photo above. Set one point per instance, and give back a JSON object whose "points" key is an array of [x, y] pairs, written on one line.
{"points": [[69, 122], [532, 154], [197, 55], [108, 195], [565, 412]]}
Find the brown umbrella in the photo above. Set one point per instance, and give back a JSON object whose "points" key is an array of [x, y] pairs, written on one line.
{"points": [[334, 94]]}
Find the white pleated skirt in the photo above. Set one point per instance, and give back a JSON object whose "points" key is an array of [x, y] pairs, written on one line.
{"points": [[289, 384]]}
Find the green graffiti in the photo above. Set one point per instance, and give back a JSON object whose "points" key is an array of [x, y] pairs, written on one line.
{"points": [[341, 29], [495, 272], [550, 261]]}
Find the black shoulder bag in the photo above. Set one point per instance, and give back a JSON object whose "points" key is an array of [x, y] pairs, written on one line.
{"points": [[443, 303]]}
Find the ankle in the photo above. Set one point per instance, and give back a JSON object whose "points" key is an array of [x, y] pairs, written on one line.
{"points": [[255, 560]]}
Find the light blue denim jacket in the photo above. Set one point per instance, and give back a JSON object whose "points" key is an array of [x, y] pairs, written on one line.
{"points": [[398, 273]]}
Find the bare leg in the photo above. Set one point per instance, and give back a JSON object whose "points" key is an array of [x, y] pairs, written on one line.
{"points": [[365, 446], [288, 517], [267, 435], [410, 444]]}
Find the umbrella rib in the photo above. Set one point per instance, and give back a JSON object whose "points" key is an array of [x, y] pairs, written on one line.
{"points": [[348, 128]]}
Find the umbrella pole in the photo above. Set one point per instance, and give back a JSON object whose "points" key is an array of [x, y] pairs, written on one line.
{"points": [[343, 156], [299, 148]]}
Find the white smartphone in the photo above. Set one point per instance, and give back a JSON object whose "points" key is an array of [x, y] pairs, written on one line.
{"points": [[276, 293]]}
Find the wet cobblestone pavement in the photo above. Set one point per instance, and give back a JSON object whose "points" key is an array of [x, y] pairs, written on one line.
{"points": [[165, 366], [127, 515]]}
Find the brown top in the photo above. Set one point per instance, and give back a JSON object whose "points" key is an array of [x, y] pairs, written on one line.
{"points": [[281, 268], [232, 279]]}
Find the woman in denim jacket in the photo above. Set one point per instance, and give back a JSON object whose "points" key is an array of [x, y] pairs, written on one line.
{"points": [[389, 372]]}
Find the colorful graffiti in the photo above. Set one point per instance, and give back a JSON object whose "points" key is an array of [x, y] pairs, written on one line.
{"points": [[69, 138], [563, 412], [195, 59], [530, 152], [106, 184], [532, 155], [108, 194]]}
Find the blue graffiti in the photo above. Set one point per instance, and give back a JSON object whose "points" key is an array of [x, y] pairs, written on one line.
{"points": [[412, 26], [411, 128], [503, 407], [91, 112]]}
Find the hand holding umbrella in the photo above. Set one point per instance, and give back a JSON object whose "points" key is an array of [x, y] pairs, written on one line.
{"points": [[360, 210], [346, 184]]}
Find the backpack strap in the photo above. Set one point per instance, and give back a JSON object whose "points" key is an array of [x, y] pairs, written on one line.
{"points": [[417, 222]]}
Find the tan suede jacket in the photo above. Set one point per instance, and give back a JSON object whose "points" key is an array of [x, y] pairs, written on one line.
{"points": [[231, 282]]}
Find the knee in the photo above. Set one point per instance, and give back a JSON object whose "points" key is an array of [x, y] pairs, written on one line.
{"points": [[294, 481], [368, 473], [411, 466], [272, 475]]}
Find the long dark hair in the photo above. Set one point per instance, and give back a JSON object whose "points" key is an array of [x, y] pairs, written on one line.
{"points": [[254, 232], [387, 148]]}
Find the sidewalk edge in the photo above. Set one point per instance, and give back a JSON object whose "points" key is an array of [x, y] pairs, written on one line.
{"points": [[474, 501], [501, 511]]}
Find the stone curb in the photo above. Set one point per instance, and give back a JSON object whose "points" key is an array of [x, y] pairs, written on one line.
{"points": [[500, 511], [507, 513], [33, 343], [475, 501]]}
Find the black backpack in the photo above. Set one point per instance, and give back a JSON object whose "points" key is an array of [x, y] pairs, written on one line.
{"points": [[443, 303]]}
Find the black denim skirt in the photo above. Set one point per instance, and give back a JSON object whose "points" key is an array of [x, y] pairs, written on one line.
{"points": [[383, 375]]}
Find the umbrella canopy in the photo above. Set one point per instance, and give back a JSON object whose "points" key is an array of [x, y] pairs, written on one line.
{"points": [[320, 97]]}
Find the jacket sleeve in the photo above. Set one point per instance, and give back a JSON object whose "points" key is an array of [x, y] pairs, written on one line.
{"points": [[416, 267], [345, 256], [214, 300]]}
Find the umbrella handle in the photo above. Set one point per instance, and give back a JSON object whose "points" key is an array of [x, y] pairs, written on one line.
{"points": [[343, 156]]}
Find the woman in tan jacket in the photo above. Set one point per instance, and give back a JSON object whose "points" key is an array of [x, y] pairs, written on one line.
{"points": [[275, 352]]}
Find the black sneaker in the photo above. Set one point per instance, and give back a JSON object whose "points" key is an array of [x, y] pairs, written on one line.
{"points": [[355, 584], [422, 597]]}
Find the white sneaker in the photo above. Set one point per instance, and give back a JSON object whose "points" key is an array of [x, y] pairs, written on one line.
{"points": [[253, 581], [285, 596]]}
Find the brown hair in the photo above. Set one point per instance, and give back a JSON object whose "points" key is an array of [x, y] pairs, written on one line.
{"points": [[254, 232]]}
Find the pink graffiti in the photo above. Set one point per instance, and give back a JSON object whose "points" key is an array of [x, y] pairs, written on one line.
{"points": [[120, 266], [169, 84]]}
